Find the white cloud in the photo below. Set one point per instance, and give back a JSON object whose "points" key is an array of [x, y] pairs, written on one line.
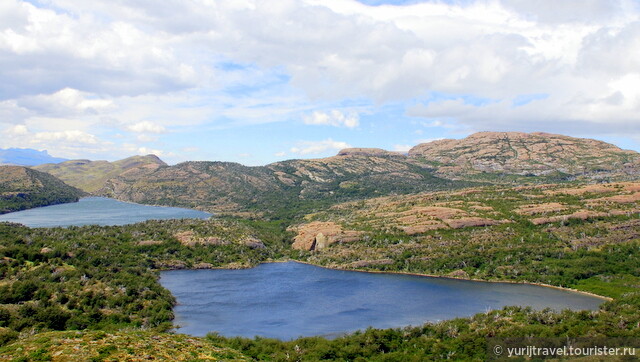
{"points": [[69, 143], [132, 148], [146, 127], [318, 147], [146, 138], [74, 136], [17, 130], [66, 102], [280, 154], [148, 151], [402, 148], [101, 66], [333, 118]]}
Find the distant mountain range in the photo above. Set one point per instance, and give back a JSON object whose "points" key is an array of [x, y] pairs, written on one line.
{"points": [[357, 173], [26, 157]]}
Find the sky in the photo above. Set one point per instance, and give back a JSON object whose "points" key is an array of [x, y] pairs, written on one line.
{"points": [[258, 81]]}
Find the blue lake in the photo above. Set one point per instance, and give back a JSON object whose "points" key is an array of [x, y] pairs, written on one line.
{"points": [[288, 300], [98, 211]]}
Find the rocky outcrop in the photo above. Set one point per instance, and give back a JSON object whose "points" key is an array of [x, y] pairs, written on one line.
{"points": [[526, 154], [319, 235], [189, 238]]}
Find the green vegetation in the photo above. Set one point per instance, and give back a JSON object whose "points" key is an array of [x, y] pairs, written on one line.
{"points": [[105, 277], [281, 191], [126, 345], [23, 188], [104, 280]]}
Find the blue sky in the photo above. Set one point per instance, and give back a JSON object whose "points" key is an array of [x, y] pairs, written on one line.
{"points": [[260, 81]]}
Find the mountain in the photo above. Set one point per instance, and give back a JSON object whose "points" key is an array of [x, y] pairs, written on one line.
{"points": [[280, 187], [527, 154], [27, 157], [294, 186], [23, 188], [90, 176]]}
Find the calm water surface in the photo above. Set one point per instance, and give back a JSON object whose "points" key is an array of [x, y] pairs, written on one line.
{"points": [[98, 211], [288, 300]]}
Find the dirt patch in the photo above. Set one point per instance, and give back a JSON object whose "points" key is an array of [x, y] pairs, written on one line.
{"points": [[149, 242], [580, 215], [620, 199], [533, 209], [471, 221]]}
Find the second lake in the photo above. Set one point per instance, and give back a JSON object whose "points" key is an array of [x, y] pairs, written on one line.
{"points": [[98, 211], [289, 300]]}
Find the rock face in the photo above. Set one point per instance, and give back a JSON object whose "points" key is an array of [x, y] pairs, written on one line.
{"points": [[319, 235], [526, 154]]}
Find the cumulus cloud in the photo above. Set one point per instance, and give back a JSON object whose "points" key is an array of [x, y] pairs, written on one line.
{"points": [[73, 136], [317, 147], [146, 127], [402, 148], [65, 102], [333, 118], [99, 66], [17, 130]]}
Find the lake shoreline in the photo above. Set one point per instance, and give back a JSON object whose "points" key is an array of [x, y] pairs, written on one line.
{"points": [[461, 278], [608, 299], [288, 299]]}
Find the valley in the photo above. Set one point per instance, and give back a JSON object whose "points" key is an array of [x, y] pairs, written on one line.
{"points": [[535, 208]]}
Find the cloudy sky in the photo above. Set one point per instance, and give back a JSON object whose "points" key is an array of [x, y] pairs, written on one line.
{"points": [[259, 81]]}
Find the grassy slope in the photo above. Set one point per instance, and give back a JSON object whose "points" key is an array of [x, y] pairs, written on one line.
{"points": [[90, 176]]}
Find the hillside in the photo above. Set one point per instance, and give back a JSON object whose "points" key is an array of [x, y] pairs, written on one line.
{"points": [[23, 188], [106, 278], [527, 154], [90, 176], [277, 188], [355, 173], [27, 157], [471, 233]]}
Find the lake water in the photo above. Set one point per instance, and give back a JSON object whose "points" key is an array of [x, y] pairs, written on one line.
{"points": [[98, 211], [288, 300]]}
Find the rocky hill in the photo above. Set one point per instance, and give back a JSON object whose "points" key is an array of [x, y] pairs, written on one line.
{"points": [[355, 173], [23, 188], [527, 154], [279, 187], [468, 233], [90, 176]]}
